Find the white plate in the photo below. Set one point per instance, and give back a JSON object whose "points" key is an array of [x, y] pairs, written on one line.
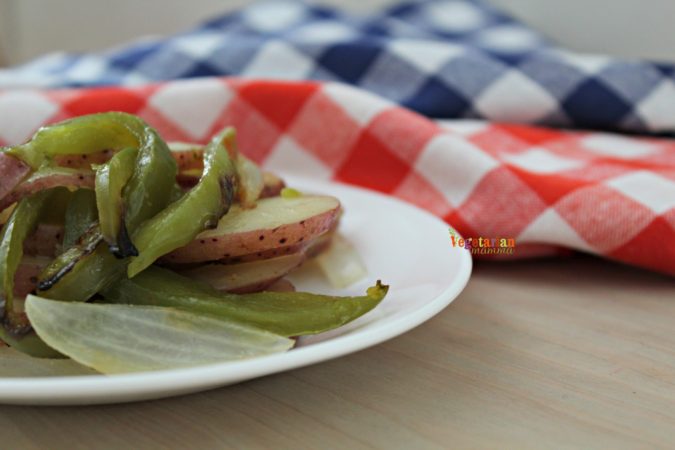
{"points": [[404, 246]]}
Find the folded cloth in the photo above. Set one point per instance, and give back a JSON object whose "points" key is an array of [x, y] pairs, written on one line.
{"points": [[600, 193], [441, 58]]}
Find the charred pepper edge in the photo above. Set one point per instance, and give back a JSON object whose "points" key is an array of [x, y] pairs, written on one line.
{"points": [[123, 247], [84, 247], [111, 179], [149, 190], [20, 224], [206, 202], [162, 287], [80, 215]]}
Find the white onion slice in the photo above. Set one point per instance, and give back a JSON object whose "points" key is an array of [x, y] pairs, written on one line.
{"points": [[251, 182], [341, 263], [126, 338]]}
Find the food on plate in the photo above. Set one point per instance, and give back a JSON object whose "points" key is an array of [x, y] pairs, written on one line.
{"points": [[284, 225], [126, 253], [123, 338]]}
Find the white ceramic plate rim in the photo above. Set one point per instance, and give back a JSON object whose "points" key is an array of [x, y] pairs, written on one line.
{"points": [[139, 386]]}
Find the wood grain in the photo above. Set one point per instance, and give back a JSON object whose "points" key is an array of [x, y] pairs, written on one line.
{"points": [[575, 353]]}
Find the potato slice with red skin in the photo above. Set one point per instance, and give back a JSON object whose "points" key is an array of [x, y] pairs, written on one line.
{"points": [[273, 224], [245, 277], [267, 254], [272, 185], [187, 156], [83, 161], [26, 276], [12, 171], [310, 248], [47, 237], [282, 285], [36, 183], [45, 241]]}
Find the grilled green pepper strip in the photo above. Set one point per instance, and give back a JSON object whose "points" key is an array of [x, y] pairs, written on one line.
{"points": [[153, 185], [150, 190], [21, 223], [90, 274], [48, 178], [81, 213], [199, 209], [15, 329], [81, 135], [111, 178], [66, 261], [28, 343], [109, 131], [59, 200], [284, 313]]}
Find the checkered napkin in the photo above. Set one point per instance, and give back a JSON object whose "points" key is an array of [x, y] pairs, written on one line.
{"points": [[600, 193], [443, 59]]}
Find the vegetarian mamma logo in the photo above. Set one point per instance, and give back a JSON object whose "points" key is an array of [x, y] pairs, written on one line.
{"points": [[483, 245]]}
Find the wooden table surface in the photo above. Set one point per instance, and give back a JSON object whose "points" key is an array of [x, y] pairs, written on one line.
{"points": [[575, 353]]}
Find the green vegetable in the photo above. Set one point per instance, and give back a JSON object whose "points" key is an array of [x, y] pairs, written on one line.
{"points": [[89, 275], [111, 178], [15, 329], [122, 338], [81, 135], [66, 261], [284, 313], [288, 192], [199, 209], [153, 185], [155, 318], [47, 178], [149, 190], [28, 342], [80, 215], [21, 223], [153, 181], [58, 203]]}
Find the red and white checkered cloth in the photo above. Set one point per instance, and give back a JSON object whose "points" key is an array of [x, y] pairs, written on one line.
{"points": [[599, 193]]}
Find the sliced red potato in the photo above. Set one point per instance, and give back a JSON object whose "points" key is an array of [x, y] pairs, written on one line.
{"points": [[245, 277], [46, 180], [188, 178], [270, 253], [320, 244], [274, 224], [76, 172], [272, 185], [83, 161], [26, 276], [12, 171], [189, 158], [45, 241], [282, 285], [309, 247], [187, 155]]}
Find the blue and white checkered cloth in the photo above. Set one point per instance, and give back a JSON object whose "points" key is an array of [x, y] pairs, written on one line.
{"points": [[442, 58]]}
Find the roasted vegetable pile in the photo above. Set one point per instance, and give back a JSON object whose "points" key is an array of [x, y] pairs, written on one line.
{"points": [[124, 252]]}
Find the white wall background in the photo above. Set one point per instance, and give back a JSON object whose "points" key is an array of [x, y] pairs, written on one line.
{"points": [[631, 28]]}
